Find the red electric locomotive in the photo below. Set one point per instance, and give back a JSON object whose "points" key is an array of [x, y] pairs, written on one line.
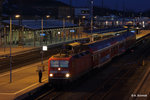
{"points": [[70, 64]]}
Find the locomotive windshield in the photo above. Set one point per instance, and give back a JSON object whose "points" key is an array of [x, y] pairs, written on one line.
{"points": [[54, 63], [63, 63], [59, 63]]}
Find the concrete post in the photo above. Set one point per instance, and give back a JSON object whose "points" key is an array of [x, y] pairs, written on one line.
{"points": [[34, 38]]}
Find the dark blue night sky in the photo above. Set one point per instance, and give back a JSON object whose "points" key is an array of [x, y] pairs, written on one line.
{"points": [[136, 5]]}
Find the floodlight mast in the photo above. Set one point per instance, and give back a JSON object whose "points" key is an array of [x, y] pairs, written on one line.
{"points": [[42, 41], [10, 51]]}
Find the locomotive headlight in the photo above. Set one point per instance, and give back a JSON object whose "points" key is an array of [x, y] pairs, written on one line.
{"points": [[51, 75], [59, 68], [67, 75]]}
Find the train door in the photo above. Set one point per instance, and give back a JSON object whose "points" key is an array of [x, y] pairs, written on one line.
{"points": [[114, 51], [121, 48], [104, 56], [95, 59]]}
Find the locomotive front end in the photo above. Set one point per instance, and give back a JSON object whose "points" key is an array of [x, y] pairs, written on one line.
{"points": [[59, 68]]}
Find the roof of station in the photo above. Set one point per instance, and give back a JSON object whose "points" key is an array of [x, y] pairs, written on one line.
{"points": [[37, 24], [101, 31]]}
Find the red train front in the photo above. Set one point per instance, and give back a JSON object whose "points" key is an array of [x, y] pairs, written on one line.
{"points": [[59, 67], [70, 65]]}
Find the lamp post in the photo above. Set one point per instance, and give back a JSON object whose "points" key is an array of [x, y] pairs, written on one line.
{"points": [[83, 20], [42, 40], [79, 28], [46, 35], [69, 20], [17, 16], [10, 51], [64, 34]]}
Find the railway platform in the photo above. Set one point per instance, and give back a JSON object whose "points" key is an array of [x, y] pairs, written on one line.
{"points": [[142, 33], [24, 81]]}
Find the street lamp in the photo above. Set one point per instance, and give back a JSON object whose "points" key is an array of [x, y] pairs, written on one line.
{"points": [[17, 16], [95, 17], [83, 20], [68, 16], [83, 17], [117, 22], [70, 20], [48, 16], [10, 51]]}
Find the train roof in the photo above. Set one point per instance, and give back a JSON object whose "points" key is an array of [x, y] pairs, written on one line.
{"points": [[97, 45], [60, 56]]}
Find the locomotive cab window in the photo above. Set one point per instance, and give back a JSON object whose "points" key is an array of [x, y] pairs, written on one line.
{"points": [[54, 63], [63, 63], [59, 63]]}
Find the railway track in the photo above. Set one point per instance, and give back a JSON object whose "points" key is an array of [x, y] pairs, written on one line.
{"points": [[134, 95], [138, 89]]}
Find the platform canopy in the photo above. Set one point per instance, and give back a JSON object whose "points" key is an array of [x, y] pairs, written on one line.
{"points": [[36, 24]]}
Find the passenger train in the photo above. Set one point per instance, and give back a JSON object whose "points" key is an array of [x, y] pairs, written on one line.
{"points": [[77, 59]]}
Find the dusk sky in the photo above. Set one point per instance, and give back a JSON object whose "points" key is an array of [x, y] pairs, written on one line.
{"points": [[136, 5]]}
